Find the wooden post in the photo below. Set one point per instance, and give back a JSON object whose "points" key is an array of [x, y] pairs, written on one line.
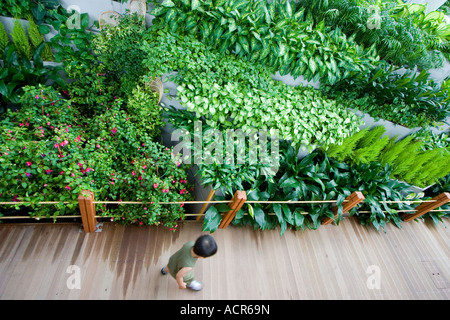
{"points": [[210, 195], [352, 200], [87, 210], [425, 207], [235, 204]]}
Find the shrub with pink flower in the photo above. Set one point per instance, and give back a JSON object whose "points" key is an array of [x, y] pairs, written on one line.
{"points": [[108, 154]]}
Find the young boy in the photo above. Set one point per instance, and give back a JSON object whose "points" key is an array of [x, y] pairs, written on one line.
{"points": [[182, 262]]}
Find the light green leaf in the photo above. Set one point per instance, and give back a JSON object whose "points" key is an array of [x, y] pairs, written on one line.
{"points": [[167, 3], [195, 4]]}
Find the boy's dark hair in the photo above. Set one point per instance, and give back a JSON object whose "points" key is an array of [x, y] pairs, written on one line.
{"points": [[205, 246]]}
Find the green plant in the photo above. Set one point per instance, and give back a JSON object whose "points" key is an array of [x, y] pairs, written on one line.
{"points": [[4, 39], [20, 40], [15, 8], [408, 160], [18, 72], [397, 38], [432, 139], [233, 164], [277, 34], [411, 99], [370, 146], [237, 94], [313, 178], [37, 38], [73, 48], [119, 51], [50, 152], [143, 108]]}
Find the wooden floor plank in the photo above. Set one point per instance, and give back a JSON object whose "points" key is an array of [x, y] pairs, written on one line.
{"points": [[124, 262]]}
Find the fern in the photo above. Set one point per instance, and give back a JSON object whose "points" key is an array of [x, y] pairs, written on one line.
{"points": [[20, 39], [434, 169], [371, 137], [371, 153], [4, 40], [393, 150], [37, 38], [420, 164], [344, 151], [406, 159]]}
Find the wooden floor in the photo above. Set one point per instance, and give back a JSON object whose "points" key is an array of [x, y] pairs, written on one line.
{"points": [[333, 262]]}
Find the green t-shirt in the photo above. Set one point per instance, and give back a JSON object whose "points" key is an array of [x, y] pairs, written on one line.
{"points": [[183, 258]]}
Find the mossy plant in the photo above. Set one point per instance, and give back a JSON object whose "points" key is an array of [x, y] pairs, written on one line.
{"points": [[21, 41], [37, 38], [409, 160], [4, 40]]}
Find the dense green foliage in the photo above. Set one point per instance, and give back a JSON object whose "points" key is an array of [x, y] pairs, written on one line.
{"points": [[407, 158], [276, 34], [98, 131], [318, 177], [410, 99], [238, 94], [398, 37], [50, 152]]}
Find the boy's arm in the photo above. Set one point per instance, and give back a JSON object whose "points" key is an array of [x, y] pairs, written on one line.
{"points": [[180, 275]]}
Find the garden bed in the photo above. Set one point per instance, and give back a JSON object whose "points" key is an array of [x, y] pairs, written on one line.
{"points": [[101, 130]]}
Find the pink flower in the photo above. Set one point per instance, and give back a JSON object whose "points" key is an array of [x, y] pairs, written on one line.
{"points": [[29, 163], [114, 130], [133, 173], [182, 205], [77, 139], [28, 174], [183, 191], [20, 124], [36, 96], [62, 144], [48, 171], [145, 167], [67, 187], [155, 185], [140, 178], [178, 164]]}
